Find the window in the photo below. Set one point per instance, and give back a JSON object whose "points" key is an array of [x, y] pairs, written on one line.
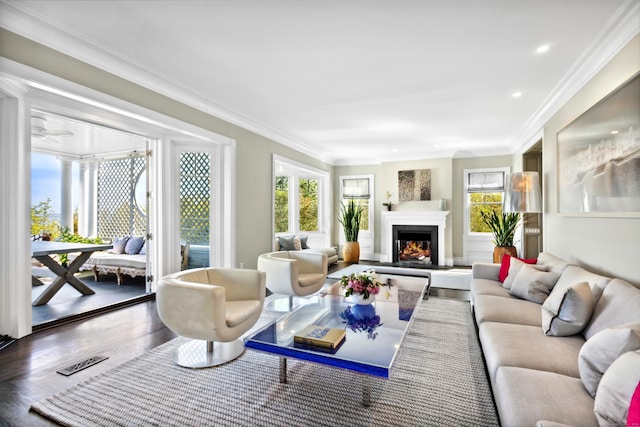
{"points": [[485, 191], [361, 189], [300, 200]]}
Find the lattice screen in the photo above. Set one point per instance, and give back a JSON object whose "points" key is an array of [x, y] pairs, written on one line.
{"points": [[195, 190], [118, 213]]}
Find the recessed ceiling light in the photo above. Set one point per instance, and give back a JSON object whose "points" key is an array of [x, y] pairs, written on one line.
{"points": [[543, 48], [516, 94], [614, 132]]}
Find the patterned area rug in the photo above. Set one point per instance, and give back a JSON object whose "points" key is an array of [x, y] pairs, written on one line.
{"points": [[438, 380]]}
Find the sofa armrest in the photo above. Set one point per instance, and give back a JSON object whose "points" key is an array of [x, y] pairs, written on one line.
{"points": [[485, 270]]}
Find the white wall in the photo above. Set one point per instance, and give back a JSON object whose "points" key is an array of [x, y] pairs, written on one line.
{"points": [[610, 246]]}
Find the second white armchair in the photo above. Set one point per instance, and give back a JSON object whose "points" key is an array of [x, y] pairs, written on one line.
{"points": [[294, 273]]}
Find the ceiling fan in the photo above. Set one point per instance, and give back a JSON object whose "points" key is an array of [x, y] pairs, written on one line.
{"points": [[40, 131]]}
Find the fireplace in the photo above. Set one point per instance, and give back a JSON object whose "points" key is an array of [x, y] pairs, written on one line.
{"points": [[415, 244], [437, 220]]}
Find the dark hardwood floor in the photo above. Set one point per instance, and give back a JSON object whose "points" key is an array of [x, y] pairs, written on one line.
{"points": [[28, 366]]}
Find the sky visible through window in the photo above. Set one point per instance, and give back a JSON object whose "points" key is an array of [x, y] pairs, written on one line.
{"points": [[46, 180]]}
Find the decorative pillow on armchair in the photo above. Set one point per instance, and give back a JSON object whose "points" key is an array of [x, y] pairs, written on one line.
{"points": [[567, 311], [514, 268], [532, 284]]}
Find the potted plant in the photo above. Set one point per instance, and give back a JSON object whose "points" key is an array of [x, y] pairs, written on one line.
{"points": [[350, 217], [503, 226]]}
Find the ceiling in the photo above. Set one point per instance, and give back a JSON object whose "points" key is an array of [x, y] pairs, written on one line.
{"points": [[350, 82]]}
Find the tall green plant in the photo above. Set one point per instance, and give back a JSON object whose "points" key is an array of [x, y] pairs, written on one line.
{"points": [[350, 217], [503, 226]]}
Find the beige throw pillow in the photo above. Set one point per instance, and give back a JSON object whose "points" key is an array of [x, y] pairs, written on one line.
{"points": [[599, 352], [567, 311], [616, 388], [514, 269], [532, 284]]}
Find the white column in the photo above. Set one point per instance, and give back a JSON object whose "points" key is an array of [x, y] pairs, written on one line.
{"points": [[87, 209], [66, 203]]}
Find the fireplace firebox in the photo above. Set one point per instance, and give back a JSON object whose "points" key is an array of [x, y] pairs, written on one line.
{"points": [[415, 244]]}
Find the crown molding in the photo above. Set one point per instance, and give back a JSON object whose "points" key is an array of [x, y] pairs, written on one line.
{"points": [[615, 35], [22, 22]]}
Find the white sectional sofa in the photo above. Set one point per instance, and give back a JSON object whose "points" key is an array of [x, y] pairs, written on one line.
{"points": [[585, 374]]}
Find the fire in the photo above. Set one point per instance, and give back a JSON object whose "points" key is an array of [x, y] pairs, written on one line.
{"points": [[415, 250]]}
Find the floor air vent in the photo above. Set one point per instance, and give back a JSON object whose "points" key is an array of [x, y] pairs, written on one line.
{"points": [[82, 365]]}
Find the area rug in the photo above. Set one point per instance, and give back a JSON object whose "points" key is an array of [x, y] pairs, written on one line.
{"points": [[439, 379]]}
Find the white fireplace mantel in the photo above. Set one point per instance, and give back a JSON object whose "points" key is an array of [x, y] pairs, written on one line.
{"points": [[391, 218]]}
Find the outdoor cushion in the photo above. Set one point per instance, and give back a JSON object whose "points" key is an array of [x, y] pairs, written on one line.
{"points": [[526, 346], [618, 305], [526, 396], [118, 245], [492, 308], [567, 311], [614, 393], [602, 349], [133, 246], [532, 284]]}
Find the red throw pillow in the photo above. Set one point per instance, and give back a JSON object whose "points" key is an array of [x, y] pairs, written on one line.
{"points": [[506, 262], [633, 417]]}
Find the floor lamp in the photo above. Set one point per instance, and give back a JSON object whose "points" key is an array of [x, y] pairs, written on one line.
{"points": [[522, 193]]}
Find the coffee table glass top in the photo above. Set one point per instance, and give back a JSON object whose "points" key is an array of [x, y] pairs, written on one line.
{"points": [[374, 332]]}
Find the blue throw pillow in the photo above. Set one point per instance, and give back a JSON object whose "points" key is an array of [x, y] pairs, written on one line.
{"points": [[143, 250], [134, 245], [119, 244]]}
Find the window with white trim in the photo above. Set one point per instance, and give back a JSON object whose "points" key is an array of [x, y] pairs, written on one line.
{"points": [[361, 189]]}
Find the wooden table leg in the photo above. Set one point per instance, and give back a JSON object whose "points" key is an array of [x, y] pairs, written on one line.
{"points": [[65, 275]]}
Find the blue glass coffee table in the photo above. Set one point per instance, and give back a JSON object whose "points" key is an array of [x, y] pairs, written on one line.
{"points": [[374, 333]]}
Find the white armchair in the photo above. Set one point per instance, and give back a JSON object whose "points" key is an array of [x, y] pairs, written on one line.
{"points": [[213, 305], [294, 273]]}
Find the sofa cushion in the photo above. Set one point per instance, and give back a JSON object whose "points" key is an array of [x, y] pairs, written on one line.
{"points": [[487, 287], [303, 242], [287, 243], [525, 396], [514, 268], [618, 305], [532, 284], [574, 274], [616, 388], [602, 349], [492, 308], [552, 262], [567, 311], [505, 344], [506, 262]]}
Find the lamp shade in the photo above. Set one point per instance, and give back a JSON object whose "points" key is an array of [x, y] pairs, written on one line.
{"points": [[522, 193]]}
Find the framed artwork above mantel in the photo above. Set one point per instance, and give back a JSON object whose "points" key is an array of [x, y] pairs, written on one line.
{"points": [[599, 157]]}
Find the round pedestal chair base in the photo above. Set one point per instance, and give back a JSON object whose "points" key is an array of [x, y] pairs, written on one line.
{"points": [[204, 354]]}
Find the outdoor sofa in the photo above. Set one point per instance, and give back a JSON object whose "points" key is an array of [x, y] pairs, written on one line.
{"points": [[568, 358]]}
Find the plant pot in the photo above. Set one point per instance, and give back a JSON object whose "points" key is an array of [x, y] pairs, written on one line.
{"points": [[499, 251], [351, 252]]}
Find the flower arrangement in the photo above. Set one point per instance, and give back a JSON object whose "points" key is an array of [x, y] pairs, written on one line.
{"points": [[362, 319], [363, 283]]}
